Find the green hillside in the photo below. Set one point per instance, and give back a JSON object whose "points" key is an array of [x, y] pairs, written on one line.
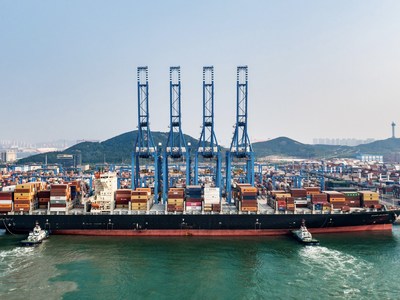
{"points": [[118, 149], [115, 150], [284, 146]]}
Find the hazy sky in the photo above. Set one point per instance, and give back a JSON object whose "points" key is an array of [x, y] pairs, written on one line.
{"points": [[316, 68]]}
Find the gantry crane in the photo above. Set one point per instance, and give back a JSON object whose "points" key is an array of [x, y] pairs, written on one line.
{"points": [[240, 148], [144, 147], [208, 148], [176, 147]]}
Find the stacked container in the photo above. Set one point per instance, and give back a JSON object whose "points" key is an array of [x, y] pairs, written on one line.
{"points": [[312, 191], [43, 199], [25, 197], [60, 198], [122, 198], [319, 201], [193, 198], [290, 206], [6, 202], [140, 199], [277, 198], [352, 199], [212, 201], [369, 199], [176, 198], [280, 202], [247, 198], [300, 197], [336, 199]]}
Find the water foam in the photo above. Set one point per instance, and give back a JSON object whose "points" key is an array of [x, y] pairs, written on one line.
{"points": [[347, 272]]}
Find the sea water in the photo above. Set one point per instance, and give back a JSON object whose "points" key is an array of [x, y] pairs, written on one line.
{"points": [[345, 266]]}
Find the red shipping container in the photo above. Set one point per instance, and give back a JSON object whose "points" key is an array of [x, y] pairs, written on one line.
{"points": [[298, 193], [193, 203], [6, 195]]}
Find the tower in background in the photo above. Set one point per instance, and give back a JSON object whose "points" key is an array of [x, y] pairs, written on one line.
{"points": [[393, 128]]}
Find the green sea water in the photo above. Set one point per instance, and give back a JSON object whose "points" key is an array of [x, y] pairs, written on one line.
{"points": [[345, 266]]}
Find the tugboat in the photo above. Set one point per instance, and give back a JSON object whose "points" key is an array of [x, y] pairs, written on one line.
{"points": [[36, 236], [304, 236]]}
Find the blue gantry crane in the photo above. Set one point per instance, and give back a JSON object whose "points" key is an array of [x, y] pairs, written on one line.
{"points": [[144, 147], [240, 149], [176, 148], [208, 148]]}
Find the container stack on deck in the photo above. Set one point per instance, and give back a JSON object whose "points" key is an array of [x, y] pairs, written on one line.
{"points": [[247, 197], [279, 200], [60, 198], [300, 197], [320, 202], [43, 199], [6, 202], [122, 198], [352, 199], [25, 197], [312, 191], [175, 201], [290, 206], [212, 201], [194, 198], [369, 199], [336, 199], [140, 199]]}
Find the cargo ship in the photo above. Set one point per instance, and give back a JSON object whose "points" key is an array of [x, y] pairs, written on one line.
{"points": [[189, 211]]}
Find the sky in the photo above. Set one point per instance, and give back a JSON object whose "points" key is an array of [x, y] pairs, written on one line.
{"points": [[316, 68]]}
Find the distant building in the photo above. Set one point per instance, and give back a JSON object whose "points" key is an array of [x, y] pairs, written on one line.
{"points": [[8, 156], [341, 141], [370, 158]]}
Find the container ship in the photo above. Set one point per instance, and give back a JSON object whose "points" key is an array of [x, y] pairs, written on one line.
{"points": [[191, 211]]}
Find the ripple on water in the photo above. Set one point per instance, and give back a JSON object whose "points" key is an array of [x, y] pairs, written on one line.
{"points": [[342, 274], [25, 273]]}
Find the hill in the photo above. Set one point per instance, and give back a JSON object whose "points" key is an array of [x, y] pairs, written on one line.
{"points": [[115, 150], [284, 146], [118, 149]]}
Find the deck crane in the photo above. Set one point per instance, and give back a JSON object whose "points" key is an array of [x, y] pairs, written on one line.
{"points": [[208, 148], [144, 147], [240, 149], [176, 148]]}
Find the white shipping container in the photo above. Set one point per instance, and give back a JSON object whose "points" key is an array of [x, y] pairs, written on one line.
{"points": [[211, 190], [191, 208], [300, 201], [62, 198], [212, 201], [6, 202], [211, 196], [107, 193], [58, 201], [9, 188], [104, 198], [64, 209]]}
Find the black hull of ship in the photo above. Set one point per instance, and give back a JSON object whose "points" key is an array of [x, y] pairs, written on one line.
{"points": [[199, 225]]}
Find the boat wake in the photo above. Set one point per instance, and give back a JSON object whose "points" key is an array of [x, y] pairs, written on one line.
{"points": [[344, 271], [15, 260], [25, 273]]}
